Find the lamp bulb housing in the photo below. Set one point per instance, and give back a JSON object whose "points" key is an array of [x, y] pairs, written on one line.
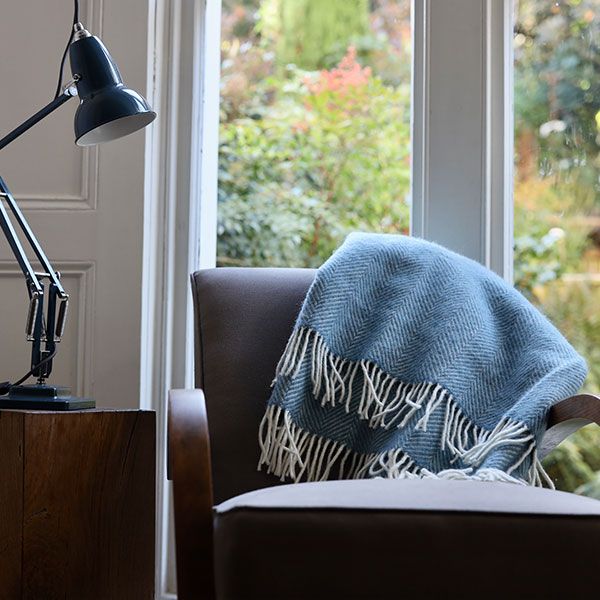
{"points": [[108, 110]]}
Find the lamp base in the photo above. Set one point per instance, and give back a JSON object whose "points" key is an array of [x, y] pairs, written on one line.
{"points": [[43, 397]]}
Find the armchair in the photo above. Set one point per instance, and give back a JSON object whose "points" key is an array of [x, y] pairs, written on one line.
{"points": [[241, 534]]}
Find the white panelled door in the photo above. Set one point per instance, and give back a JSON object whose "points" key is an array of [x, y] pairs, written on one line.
{"points": [[85, 205]]}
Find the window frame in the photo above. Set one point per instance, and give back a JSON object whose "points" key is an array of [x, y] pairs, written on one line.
{"points": [[179, 219], [462, 170]]}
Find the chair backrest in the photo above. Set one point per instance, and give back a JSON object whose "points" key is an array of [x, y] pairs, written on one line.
{"points": [[243, 319]]}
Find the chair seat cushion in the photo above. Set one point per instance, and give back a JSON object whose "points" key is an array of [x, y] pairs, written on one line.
{"points": [[406, 539]]}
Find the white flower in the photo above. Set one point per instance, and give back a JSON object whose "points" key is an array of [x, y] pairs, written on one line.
{"points": [[554, 126], [555, 234]]}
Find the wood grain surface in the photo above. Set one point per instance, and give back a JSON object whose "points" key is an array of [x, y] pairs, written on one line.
{"points": [[84, 517], [11, 503], [189, 468], [582, 406]]}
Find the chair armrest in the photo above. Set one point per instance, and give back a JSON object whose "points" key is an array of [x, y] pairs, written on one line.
{"points": [[583, 406], [567, 417], [189, 467]]}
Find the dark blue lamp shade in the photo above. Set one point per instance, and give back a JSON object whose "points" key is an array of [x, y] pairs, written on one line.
{"points": [[108, 110]]}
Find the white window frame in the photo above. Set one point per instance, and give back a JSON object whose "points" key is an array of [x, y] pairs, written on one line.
{"points": [[462, 181], [463, 128], [180, 217]]}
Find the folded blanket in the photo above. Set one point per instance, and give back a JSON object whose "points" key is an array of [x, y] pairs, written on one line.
{"points": [[408, 360]]}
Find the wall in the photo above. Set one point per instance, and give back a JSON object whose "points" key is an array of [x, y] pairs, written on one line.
{"points": [[85, 205]]}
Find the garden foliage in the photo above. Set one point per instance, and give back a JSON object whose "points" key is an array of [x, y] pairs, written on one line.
{"points": [[298, 176]]}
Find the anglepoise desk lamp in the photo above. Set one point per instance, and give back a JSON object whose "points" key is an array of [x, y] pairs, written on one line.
{"points": [[107, 111]]}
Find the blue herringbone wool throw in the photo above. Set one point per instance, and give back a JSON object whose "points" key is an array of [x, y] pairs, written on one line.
{"points": [[408, 360]]}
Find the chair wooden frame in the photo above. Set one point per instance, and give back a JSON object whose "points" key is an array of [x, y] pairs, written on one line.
{"points": [[189, 467]]}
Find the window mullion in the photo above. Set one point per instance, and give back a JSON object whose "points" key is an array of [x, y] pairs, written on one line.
{"points": [[462, 134]]}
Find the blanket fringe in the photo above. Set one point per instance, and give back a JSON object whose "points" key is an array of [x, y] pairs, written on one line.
{"points": [[386, 401], [292, 453], [383, 401]]}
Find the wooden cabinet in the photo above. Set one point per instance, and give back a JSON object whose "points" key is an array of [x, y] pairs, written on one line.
{"points": [[77, 505]]}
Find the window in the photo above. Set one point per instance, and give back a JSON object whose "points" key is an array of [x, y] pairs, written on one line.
{"points": [[461, 154], [315, 127], [557, 193]]}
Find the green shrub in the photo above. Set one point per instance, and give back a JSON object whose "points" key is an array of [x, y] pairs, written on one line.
{"points": [[591, 488], [327, 155], [575, 464]]}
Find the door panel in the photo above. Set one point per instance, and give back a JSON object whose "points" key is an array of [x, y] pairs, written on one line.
{"points": [[84, 205]]}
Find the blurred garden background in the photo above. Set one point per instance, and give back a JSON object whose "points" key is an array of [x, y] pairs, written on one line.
{"points": [[315, 143]]}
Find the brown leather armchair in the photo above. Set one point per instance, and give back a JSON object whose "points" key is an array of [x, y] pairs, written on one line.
{"points": [[240, 534]]}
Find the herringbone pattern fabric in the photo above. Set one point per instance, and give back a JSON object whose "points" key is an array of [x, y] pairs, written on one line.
{"points": [[409, 360]]}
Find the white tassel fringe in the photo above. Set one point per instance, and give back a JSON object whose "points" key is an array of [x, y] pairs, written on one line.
{"points": [[290, 452], [383, 401]]}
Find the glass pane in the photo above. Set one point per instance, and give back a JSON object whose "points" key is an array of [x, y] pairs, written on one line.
{"points": [[315, 127], [557, 193]]}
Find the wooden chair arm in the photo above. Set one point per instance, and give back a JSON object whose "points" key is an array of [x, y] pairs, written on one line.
{"points": [[567, 417], [583, 406], [189, 467]]}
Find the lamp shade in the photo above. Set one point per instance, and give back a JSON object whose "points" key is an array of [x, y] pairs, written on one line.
{"points": [[107, 110]]}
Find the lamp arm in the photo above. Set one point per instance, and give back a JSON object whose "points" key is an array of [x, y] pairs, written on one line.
{"points": [[67, 94], [56, 299], [33, 283], [17, 248]]}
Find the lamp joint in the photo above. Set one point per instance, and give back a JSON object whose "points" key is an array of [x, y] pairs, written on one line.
{"points": [[80, 32], [70, 88]]}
